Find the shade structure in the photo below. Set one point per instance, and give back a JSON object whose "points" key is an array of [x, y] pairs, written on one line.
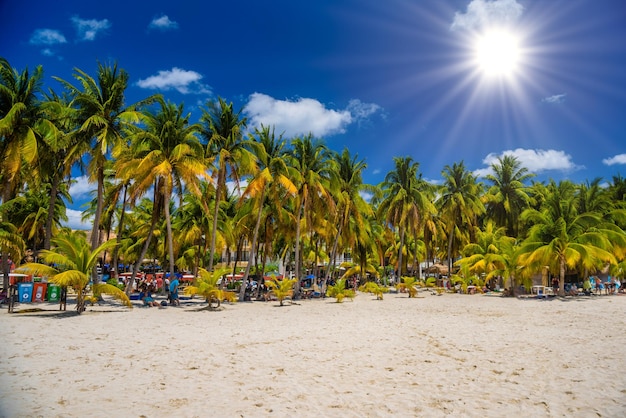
{"points": [[438, 268]]}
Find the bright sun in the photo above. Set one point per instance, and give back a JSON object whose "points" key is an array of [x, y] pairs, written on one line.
{"points": [[497, 53]]}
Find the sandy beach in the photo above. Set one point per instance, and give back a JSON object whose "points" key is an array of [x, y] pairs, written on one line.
{"points": [[433, 356]]}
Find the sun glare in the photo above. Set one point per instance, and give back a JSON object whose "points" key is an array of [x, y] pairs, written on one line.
{"points": [[497, 53]]}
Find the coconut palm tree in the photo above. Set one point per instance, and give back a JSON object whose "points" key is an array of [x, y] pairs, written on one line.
{"points": [[19, 117], [352, 209], [508, 195], [459, 205], [282, 289], [405, 204], [272, 174], [310, 158], [562, 238], [167, 156], [102, 117], [74, 261], [222, 128], [20, 113]]}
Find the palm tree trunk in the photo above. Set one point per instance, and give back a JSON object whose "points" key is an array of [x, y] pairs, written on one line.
{"points": [[333, 257], [114, 256], [297, 251], [95, 231], [170, 239], [53, 198], [400, 253], [218, 189], [562, 276], [255, 236], [450, 241]]}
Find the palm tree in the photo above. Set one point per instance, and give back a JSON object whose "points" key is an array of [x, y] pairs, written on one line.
{"points": [[562, 238], [19, 116], [75, 262], [53, 165], [405, 204], [167, 156], [310, 159], [508, 196], [222, 128], [459, 205], [102, 117], [282, 289], [272, 174], [208, 286], [351, 207]]}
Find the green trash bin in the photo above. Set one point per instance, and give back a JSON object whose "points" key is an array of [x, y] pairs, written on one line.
{"points": [[54, 292]]}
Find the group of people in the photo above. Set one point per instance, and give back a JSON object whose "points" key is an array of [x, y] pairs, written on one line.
{"points": [[146, 289]]}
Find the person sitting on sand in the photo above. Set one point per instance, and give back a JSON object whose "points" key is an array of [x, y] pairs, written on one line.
{"points": [[146, 296]]}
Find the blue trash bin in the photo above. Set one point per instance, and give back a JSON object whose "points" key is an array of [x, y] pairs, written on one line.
{"points": [[25, 292]]}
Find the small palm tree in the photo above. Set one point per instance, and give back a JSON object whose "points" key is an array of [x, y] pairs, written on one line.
{"points": [[74, 263], [282, 289], [339, 291], [207, 285], [374, 288], [408, 283]]}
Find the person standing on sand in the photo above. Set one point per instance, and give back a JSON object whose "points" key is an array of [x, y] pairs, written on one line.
{"points": [[174, 291]]}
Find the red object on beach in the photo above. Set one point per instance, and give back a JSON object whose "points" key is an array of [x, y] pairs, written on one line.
{"points": [[39, 292]]}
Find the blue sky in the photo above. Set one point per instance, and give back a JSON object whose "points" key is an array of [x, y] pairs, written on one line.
{"points": [[384, 79]]}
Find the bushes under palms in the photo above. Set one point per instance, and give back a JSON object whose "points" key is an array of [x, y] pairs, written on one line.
{"points": [[207, 285], [374, 288], [408, 284], [339, 291], [74, 263], [282, 289]]}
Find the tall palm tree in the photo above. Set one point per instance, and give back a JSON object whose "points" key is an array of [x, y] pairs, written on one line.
{"points": [[351, 207], [222, 128], [273, 174], [563, 238], [310, 158], [508, 195], [405, 204], [168, 156], [459, 205], [19, 117], [102, 116]]}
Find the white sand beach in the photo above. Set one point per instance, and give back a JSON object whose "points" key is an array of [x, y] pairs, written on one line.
{"points": [[434, 356]]}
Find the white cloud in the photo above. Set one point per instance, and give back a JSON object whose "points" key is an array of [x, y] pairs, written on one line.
{"points": [[535, 160], [178, 79], [555, 99], [88, 29], [47, 52], [304, 115], [47, 37], [163, 23], [485, 13], [74, 220], [80, 189], [617, 159]]}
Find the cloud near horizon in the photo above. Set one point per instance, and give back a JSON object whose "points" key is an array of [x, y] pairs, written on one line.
{"points": [[163, 23], [88, 29], [616, 159], [535, 160], [74, 220], [47, 37], [183, 81], [485, 13], [305, 115]]}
